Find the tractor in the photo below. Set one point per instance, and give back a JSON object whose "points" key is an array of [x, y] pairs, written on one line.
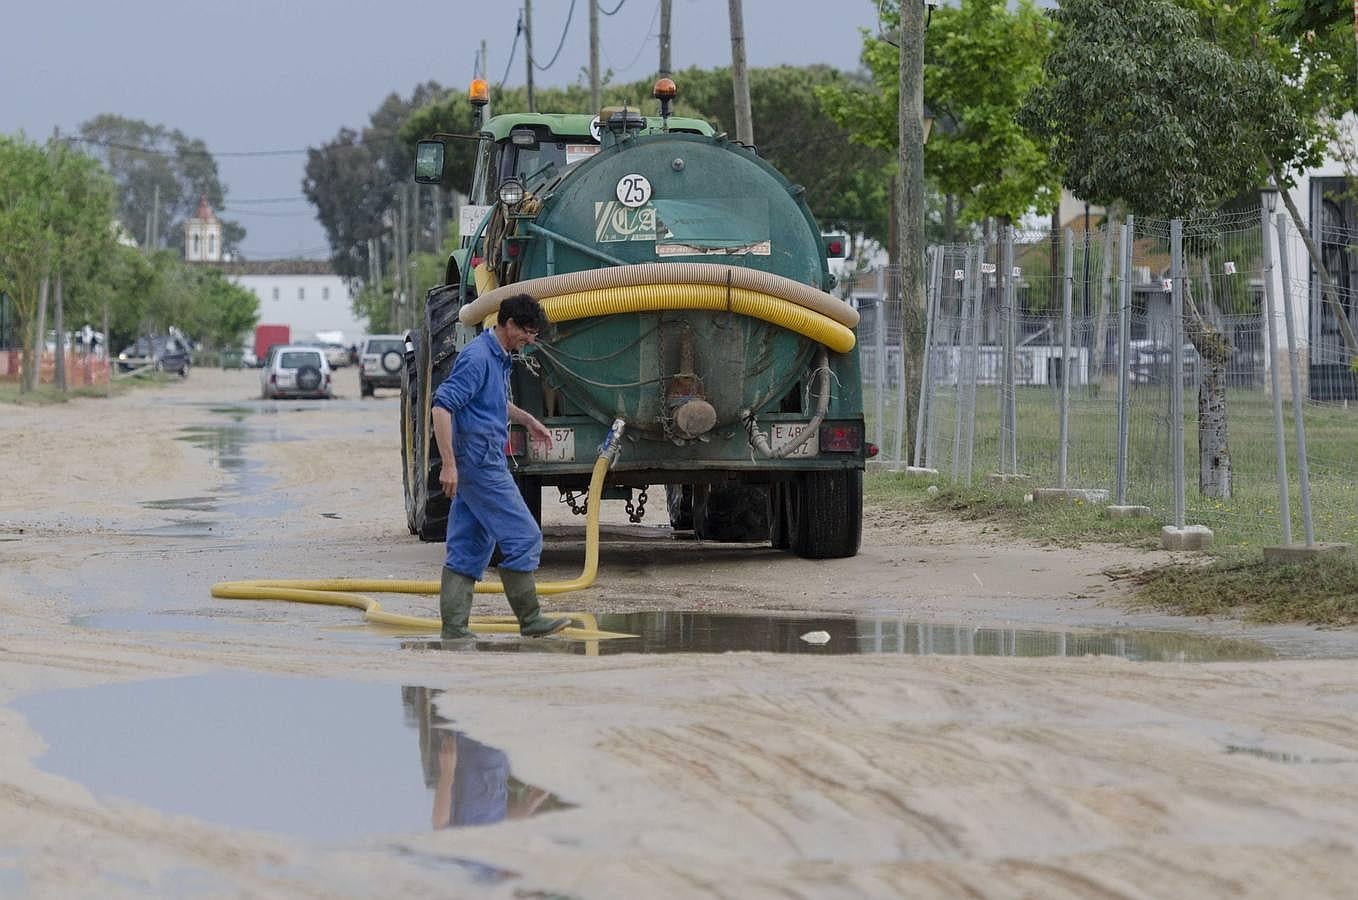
{"points": [[687, 285]]}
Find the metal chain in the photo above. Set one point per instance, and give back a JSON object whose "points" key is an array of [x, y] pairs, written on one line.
{"points": [[635, 513], [579, 509]]}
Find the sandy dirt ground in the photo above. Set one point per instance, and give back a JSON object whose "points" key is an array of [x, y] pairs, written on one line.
{"points": [[736, 774]]}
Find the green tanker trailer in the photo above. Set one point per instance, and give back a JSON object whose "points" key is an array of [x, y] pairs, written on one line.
{"points": [[686, 281]]}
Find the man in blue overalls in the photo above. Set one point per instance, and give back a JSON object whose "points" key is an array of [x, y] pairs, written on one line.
{"points": [[471, 412]]}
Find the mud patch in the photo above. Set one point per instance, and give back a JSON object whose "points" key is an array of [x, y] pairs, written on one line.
{"points": [[322, 759]]}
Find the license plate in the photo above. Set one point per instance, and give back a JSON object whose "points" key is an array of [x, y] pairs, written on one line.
{"points": [[785, 433], [562, 449]]}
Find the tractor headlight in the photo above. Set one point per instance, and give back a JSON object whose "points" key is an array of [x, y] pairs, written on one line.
{"points": [[511, 192]]}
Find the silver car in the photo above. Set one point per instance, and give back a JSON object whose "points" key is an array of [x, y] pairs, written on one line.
{"points": [[380, 362], [295, 371]]}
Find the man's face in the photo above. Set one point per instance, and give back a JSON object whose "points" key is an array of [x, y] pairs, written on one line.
{"points": [[519, 337]]}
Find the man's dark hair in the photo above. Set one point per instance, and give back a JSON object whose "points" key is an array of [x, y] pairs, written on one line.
{"points": [[524, 310]]}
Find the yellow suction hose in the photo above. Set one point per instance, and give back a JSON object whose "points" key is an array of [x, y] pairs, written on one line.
{"points": [[650, 287], [342, 591]]}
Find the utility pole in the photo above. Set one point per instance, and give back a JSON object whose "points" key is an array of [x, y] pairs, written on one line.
{"points": [[528, 45], [485, 67], [665, 37], [740, 78], [910, 198], [594, 55], [155, 220]]}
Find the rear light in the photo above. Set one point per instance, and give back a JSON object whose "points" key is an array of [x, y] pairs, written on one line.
{"points": [[841, 438], [515, 445], [872, 451], [273, 379]]}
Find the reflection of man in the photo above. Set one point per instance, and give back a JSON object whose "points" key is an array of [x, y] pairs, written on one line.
{"points": [[473, 785]]}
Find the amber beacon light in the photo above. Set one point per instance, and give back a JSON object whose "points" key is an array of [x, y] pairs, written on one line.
{"points": [[479, 92]]}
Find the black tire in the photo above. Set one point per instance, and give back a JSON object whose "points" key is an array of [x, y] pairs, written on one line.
{"points": [[412, 461], [530, 489], [778, 530], [825, 514], [679, 500], [308, 379], [433, 360], [731, 513], [391, 362], [365, 388]]}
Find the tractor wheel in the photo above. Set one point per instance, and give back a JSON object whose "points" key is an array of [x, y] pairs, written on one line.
{"points": [[433, 360], [679, 500], [731, 513], [825, 514], [412, 462], [778, 530], [531, 490]]}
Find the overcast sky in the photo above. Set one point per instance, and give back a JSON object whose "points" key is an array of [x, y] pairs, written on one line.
{"points": [[250, 75]]}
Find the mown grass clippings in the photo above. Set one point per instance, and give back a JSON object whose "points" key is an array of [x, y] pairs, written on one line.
{"points": [[1064, 524], [1322, 591]]}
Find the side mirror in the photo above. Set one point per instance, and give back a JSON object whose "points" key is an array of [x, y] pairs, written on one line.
{"points": [[429, 162]]}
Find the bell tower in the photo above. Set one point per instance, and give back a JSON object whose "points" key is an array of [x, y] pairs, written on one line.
{"points": [[203, 235]]}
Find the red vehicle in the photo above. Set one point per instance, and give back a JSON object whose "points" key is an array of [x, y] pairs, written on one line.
{"points": [[267, 336]]}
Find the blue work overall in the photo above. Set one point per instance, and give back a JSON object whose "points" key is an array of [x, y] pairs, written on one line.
{"points": [[488, 508]]}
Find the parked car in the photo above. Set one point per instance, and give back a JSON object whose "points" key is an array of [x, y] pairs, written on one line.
{"points": [[161, 352], [1152, 362], [380, 362], [292, 370]]}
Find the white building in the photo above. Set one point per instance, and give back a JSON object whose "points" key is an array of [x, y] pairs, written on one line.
{"points": [[203, 235], [305, 295], [1327, 205]]}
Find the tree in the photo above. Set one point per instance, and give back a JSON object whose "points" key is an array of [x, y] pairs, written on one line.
{"points": [[25, 239], [981, 60], [1143, 109], [353, 179], [142, 158]]}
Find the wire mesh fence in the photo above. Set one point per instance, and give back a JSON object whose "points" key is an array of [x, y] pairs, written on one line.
{"points": [[1147, 362]]}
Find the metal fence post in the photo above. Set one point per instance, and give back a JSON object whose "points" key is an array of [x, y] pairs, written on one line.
{"points": [[974, 352], [965, 308], [1124, 352], [1008, 427], [1279, 438], [1298, 403], [879, 367], [1176, 274], [1068, 288], [931, 405]]}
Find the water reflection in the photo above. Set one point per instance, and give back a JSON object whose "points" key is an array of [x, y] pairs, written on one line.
{"points": [[701, 632], [471, 781], [317, 758]]}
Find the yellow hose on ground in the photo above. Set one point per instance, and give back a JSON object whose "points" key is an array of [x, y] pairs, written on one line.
{"points": [[343, 591]]}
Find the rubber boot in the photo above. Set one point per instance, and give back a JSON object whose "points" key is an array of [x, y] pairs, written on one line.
{"points": [[522, 593], [456, 592]]}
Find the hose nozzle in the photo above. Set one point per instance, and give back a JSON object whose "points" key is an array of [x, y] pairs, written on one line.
{"points": [[613, 441]]}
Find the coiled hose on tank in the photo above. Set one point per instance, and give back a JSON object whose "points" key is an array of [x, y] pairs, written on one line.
{"points": [[650, 287], [343, 591]]}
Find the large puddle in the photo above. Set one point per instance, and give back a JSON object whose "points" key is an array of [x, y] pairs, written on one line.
{"points": [[699, 632], [327, 760]]}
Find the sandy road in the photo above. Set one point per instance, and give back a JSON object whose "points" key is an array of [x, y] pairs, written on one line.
{"points": [[733, 775]]}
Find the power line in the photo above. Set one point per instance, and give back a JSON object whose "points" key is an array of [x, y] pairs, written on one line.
{"points": [[562, 43], [605, 12], [513, 48], [641, 49]]}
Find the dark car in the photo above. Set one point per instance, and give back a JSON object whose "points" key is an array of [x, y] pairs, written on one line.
{"points": [[163, 353]]}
